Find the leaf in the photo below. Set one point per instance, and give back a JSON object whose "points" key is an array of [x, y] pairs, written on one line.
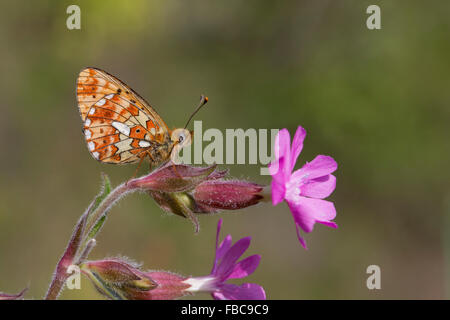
{"points": [[105, 191], [96, 228]]}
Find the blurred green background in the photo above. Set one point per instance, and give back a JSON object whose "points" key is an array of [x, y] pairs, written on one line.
{"points": [[377, 101]]}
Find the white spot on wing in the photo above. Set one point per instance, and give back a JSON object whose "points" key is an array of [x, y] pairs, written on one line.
{"points": [[109, 96], [91, 112], [124, 145], [144, 144], [87, 123], [88, 133], [95, 155], [91, 146], [123, 128], [101, 102]]}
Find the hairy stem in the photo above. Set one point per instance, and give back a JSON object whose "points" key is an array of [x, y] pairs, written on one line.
{"points": [[80, 245], [60, 273], [86, 251], [105, 205]]}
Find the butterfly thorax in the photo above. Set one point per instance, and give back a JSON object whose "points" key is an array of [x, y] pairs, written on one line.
{"points": [[160, 153]]}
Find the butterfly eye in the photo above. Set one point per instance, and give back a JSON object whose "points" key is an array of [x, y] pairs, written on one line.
{"points": [[180, 139]]}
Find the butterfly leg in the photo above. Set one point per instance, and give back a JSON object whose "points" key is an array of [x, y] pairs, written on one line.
{"points": [[176, 172], [137, 169], [152, 160]]}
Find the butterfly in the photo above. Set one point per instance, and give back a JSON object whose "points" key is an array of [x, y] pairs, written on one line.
{"points": [[120, 127]]}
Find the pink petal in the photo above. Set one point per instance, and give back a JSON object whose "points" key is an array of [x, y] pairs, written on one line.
{"points": [[219, 227], [320, 187], [276, 169], [280, 169], [330, 224], [300, 238], [221, 251], [278, 192], [319, 167], [297, 145], [283, 144], [218, 296], [308, 211], [245, 267], [246, 291], [231, 256]]}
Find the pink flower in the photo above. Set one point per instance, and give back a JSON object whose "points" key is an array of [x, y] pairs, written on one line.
{"points": [[304, 188], [226, 267], [117, 278]]}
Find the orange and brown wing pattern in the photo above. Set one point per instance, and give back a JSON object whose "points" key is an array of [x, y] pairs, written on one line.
{"points": [[119, 125]]}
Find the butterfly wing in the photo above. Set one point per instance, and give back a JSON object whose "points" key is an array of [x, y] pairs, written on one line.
{"points": [[119, 125]]}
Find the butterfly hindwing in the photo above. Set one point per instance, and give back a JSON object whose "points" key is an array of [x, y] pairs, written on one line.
{"points": [[119, 125]]}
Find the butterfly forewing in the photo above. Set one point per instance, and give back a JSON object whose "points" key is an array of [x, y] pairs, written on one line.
{"points": [[119, 125]]}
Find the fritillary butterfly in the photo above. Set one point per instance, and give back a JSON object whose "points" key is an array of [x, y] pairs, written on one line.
{"points": [[120, 126]]}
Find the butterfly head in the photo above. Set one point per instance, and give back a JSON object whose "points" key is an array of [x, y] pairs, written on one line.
{"points": [[181, 137]]}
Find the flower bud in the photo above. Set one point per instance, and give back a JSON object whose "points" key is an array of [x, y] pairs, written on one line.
{"points": [[227, 194], [173, 178], [117, 279], [198, 190]]}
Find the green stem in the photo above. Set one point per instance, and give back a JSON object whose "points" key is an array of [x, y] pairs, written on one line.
{"points": [[85, 245]]}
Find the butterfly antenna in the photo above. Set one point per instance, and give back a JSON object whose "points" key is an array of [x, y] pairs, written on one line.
{"points": [[203, 101]]}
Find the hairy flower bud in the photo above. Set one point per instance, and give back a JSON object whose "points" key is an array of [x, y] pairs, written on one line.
{"points": [[117, 279], [173, 178], [186, 190], [227, 194], [209, 193]]}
